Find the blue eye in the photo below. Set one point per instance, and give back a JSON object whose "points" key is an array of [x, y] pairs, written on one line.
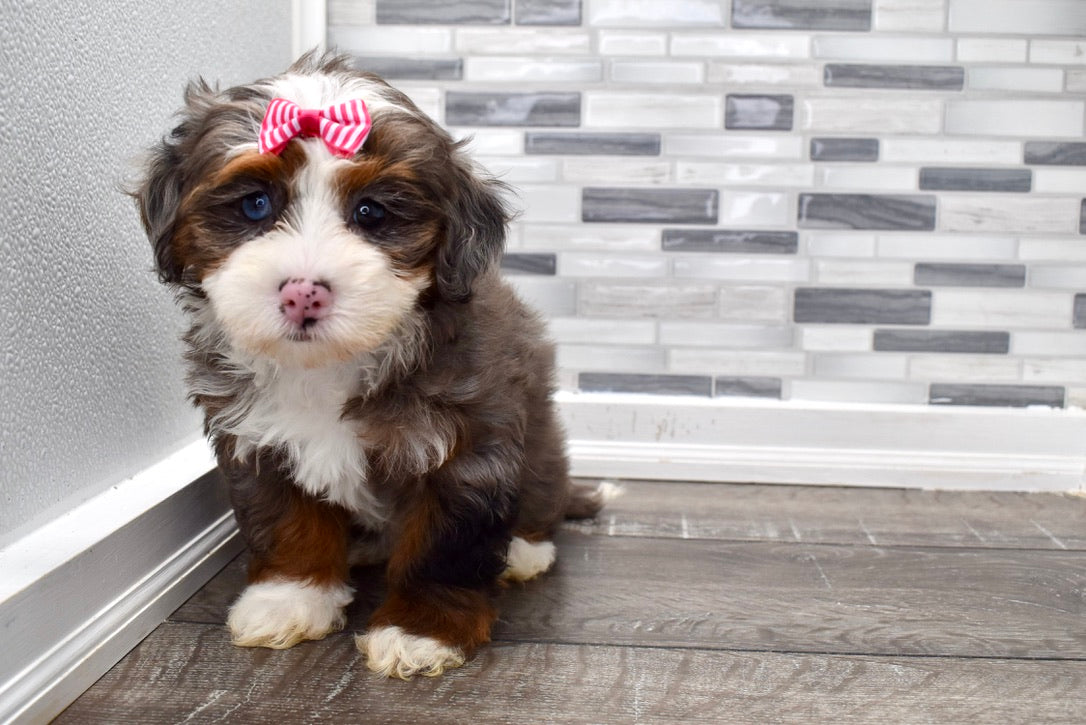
{"points": [[257, 206], [368, 213]]}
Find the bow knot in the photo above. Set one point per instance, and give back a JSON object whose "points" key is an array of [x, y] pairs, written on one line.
{"points": [[343, 126]]}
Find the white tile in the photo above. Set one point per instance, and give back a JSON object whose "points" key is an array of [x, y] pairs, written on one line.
{"points": [[738, 146], [532, 70], [956, 151], [859, 392], [870, 366], [1054, 370], [754, 209], [652, 13], [835, 338], [579, 330], [616, 171], [632, 42], [736, 362], [870, 48], [639, 71], [839, 244], [909, 15], [1059, 180], [968, 213], [352, 12], [588, 264], [741, 45], [613, 358], [713, 172], [1062, 249], [1032, 17], [549, 295], [867, 176], [391, 40], [739, 74], [427, 98], [1036, 342], [520, 169], [928, 246], [1063, 276], [499, 41], [710, 334], [754, 303], [974, 368], [992, 50], [1075, 397], [1014, 118], [548, 203], [741, 268], [652, 111], [872, 114], [604, 237], [1076, 81], [1000, 309], [1036, 80], [491, 142], [1058, 52], [862, 272]]}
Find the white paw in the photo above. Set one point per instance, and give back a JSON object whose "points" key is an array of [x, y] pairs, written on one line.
{"points": [[392, 652], [527, 560], [281, 613]]}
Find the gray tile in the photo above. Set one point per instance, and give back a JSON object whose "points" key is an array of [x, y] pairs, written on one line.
{"points": [[677, 206], [751, 111], [548, 12], [1068, 153], [1012, 396], [748, 387], [1079, 316], [431, 69], [802, 14], [642, 383], [925, 77], [518, 263], [443, 12], [512, 109], [915, 212], [970, 275], [833, 305], [844, 149], [603, 144], [739, 241], [951, 341], [1082, 217], [933, 178]]}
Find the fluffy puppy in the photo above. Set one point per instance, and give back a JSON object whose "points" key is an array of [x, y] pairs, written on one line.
{"points": [[372, 388]]}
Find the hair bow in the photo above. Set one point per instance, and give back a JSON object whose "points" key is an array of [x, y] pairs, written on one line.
{"points": [[343, 126]]}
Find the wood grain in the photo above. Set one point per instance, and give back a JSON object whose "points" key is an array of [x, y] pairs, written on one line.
{"points": [[188, 673]]}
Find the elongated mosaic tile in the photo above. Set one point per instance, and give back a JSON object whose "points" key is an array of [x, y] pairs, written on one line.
{"points": [[913, 77], [833, 305], [867, 211], [948, 341], [738, 241], [679, 206]]}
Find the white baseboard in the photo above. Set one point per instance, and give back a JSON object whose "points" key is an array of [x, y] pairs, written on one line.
{"points": [[77, 594], [933, 447]]}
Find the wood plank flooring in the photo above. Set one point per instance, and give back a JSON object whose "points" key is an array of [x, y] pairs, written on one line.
{"points": [[690, 602]]}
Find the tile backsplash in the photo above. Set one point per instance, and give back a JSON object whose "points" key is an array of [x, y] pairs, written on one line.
{"points": [[867, 201]]}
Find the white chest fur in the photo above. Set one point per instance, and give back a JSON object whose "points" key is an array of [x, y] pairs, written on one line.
{"points": [[299, 412]]}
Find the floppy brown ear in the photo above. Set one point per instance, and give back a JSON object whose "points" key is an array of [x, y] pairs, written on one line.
{"points": [[474, 234]]}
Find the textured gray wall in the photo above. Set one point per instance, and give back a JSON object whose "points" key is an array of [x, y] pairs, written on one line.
{"points": [[90, 381]]}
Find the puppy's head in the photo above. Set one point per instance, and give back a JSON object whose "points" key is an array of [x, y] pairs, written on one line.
{"points": [[313, 255]]}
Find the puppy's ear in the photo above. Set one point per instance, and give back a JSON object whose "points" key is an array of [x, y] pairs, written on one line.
{"points": [[475, 231]]}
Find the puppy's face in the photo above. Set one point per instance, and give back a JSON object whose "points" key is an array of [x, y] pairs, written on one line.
{"points": [[305, 256]]}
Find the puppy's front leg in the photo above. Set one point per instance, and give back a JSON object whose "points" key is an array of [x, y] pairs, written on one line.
{"points": [[298, 569], [444, 570]]}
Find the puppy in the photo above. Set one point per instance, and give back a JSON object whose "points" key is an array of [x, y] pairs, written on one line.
{"points": [[372, 388]]}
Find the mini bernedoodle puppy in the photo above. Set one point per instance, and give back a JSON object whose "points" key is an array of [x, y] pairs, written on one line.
{"points": [[373, 390]]}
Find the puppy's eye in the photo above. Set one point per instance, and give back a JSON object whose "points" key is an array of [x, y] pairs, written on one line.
{"points": [[368, 214], [257, 206]]}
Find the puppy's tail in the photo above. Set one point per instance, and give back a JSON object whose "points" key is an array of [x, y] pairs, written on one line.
{"points": [[586, 501]]}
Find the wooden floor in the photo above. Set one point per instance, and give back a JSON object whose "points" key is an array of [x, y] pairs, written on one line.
{"points": [[697, 603]]}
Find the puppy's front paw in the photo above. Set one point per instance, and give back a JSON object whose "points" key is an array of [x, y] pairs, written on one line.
{"points": [[392, 652], [526, 559], [282, 613]]}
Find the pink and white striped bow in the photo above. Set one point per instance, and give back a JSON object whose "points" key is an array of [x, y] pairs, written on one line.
{"points": [[343, 127]]}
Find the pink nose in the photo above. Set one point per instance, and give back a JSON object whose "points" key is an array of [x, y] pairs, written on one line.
{"points": [[304, 301]]}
